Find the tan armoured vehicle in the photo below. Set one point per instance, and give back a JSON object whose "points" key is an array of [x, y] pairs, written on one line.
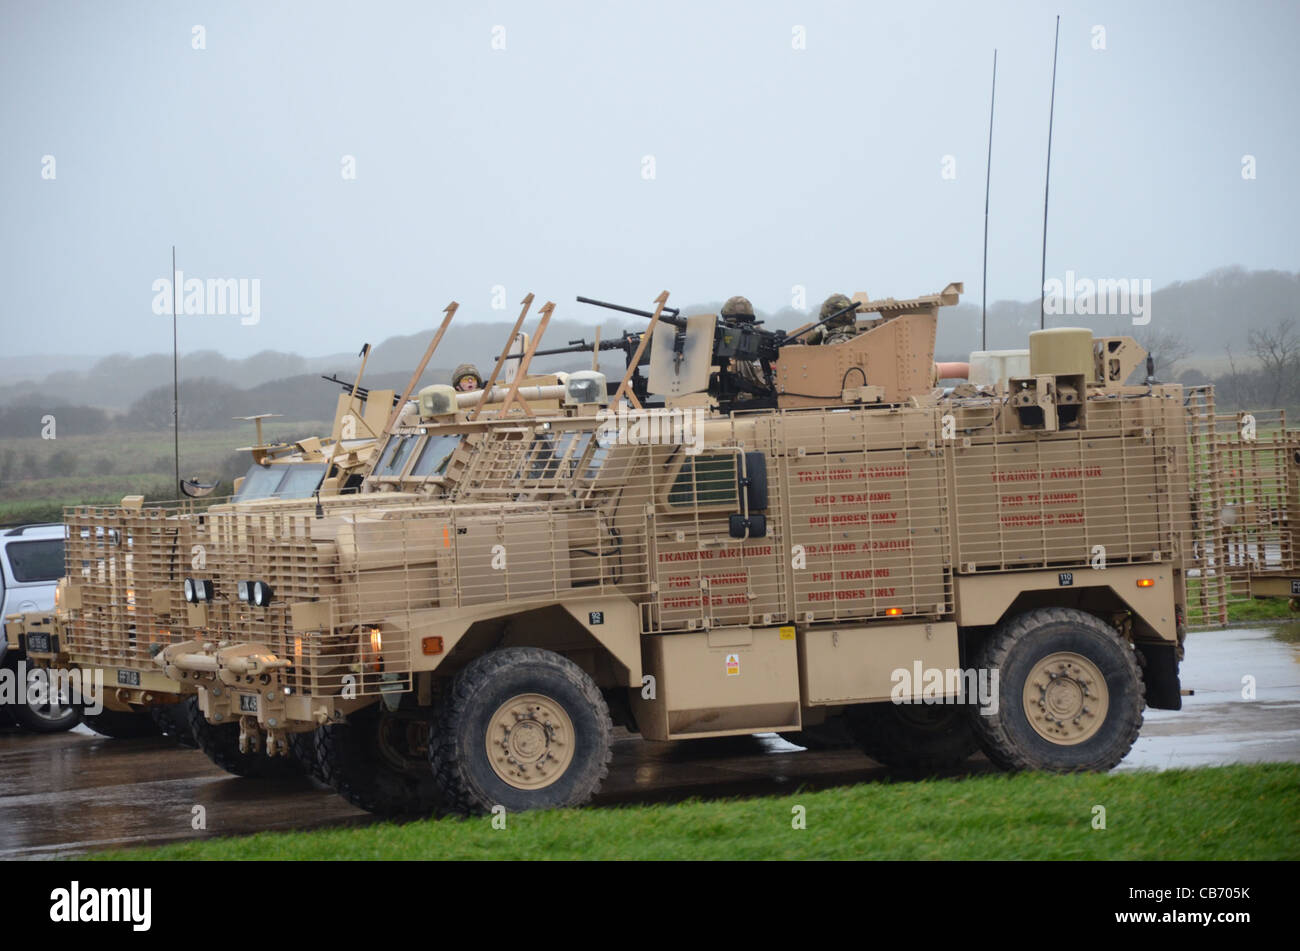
{"points": [[125, 599], [1258, 462], [717, 549], [116, 606]]}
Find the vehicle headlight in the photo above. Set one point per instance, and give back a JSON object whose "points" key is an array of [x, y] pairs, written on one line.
{"points": [[262, 593], [198, 591]]}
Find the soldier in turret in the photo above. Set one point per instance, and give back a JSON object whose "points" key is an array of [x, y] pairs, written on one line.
{"points": [[466, 378], [842, 328], [740, 310]]}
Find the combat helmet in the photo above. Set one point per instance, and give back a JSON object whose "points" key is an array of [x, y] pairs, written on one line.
{"points": [[835, 303], [738, 308], [464, 370]]}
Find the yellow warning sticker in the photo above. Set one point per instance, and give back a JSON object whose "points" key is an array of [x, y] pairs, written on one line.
{"points": [[733, 665], [787, 633]]}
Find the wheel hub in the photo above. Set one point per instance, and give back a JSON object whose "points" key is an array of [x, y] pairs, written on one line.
{"points": [[530, 741], [1065, 698]]}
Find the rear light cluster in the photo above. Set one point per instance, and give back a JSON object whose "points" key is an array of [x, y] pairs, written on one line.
{"points": [[201, 591]]}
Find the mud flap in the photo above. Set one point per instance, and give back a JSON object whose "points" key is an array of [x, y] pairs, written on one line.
{"points": [[1160, 672]]}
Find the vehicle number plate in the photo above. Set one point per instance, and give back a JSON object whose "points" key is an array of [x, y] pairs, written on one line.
{"points": [[39, 641], [247, 703], [128, 678]]}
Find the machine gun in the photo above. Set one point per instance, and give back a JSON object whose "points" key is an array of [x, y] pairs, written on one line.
{"points": [[742, 350], [363, 393]]}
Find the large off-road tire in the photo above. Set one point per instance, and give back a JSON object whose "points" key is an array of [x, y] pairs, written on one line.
{"points": [[523, 728], [220, 743], [914, 737], [120, 724], [833, 734], [173, 720], [1070, 693], [303, 747], [379, 762], [54, 715]]}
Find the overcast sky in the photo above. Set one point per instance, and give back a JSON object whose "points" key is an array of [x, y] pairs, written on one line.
{"points": [[529, 167]]}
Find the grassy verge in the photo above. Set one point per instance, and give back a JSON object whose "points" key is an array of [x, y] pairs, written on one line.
{"points": [[1263, 609], [1235, 812], [101, 469]]}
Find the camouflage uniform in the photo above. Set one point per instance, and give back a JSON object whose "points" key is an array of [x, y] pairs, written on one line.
{"points": [[740, 310], [467, 370], [839, 330]]}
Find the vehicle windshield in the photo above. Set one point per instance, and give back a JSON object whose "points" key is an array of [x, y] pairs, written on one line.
{"points": [[36, 560], [395, 455], [434, 456], [296, 481]]}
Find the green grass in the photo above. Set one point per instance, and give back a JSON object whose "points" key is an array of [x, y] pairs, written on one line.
{"points": [[1234, 812], [105, 467], [1261, 609]]}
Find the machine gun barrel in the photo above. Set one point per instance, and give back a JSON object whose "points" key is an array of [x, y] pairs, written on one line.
{"points": [[362, 392], [625, 342], [852, 308], [669, 315]]}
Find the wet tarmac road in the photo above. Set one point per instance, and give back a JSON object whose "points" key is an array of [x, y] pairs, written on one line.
{"points": [[77, 792]]}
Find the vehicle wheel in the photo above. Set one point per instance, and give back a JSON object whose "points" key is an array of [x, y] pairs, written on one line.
{"points": [[833, 734], [173, 720], [303, 747], [379, 762], [1071, 693], [51, 714], [220, 743], [525, 729], [120, 724], [917, 737]]}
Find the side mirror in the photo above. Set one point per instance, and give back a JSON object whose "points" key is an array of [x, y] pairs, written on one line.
{"points": [[753, 527], [754, 482]]}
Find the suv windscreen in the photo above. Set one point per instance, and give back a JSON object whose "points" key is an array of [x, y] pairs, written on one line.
{"points": [[36, 560]]}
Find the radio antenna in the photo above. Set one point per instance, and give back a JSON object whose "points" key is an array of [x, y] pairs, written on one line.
{"points": [[1042, 293], [988, 174], [176, 378]]}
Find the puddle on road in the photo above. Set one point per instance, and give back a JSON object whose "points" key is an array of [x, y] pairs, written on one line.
{"points": [[1220, 724]]}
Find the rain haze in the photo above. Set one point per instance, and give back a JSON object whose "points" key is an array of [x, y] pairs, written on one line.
{"points": [[367, 163]]}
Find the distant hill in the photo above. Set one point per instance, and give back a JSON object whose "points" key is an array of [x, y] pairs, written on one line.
{"points": [[1206, 316]]}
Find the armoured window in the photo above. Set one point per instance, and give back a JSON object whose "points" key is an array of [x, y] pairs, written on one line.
{"points": [[705, 480], [434, 456], [599, 452], [36, 560], [395, 455], [541, 457], [296, 481], [259, 483], [300, 480]]}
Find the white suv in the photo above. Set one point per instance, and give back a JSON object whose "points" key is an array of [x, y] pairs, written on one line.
{"points": [[31, 564]]}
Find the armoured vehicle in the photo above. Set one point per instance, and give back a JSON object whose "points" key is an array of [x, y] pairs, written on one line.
{"points": [[124, 599], [1011, 567], [121, 558]]}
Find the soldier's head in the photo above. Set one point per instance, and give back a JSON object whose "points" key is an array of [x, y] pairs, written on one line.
{"points": [[834, 303], [738, 308], [466, 378]]}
